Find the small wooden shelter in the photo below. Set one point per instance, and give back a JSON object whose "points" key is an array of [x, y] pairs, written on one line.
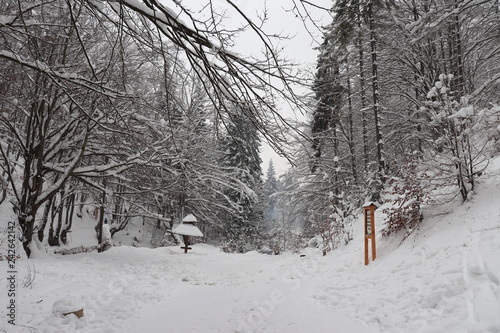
{"points": [[187, 229]]}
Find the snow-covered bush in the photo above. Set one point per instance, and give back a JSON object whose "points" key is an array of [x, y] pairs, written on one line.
{"points": [[462, 135], [405, 197], [335, 229]]}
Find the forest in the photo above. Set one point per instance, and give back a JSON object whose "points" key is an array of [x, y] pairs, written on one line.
{"points": [[142, 110]]}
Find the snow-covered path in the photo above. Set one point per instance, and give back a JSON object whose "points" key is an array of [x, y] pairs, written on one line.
{"points": [[244, 293], [444, 278], [143, 290]]}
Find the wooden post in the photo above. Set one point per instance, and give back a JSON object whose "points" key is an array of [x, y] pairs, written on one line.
{"points": [[374, 249], [369, 214], [186, 243]]}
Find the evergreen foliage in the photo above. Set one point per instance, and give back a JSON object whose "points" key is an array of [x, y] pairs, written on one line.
{"points": [[270, 201], [243, 220]]}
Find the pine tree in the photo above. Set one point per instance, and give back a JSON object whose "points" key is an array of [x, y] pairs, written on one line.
{"points": [[328, 92], [270, 201], [240, 154]]}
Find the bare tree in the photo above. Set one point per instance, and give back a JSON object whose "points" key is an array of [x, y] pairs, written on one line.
{"points": [[51, 128]]}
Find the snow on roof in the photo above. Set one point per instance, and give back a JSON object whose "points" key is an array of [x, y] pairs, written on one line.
{"points": [[187, 230], [189, 218], [370, 203]]}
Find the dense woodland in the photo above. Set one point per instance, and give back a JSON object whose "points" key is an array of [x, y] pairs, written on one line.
{"points": [[406, 111], [122, 107]]}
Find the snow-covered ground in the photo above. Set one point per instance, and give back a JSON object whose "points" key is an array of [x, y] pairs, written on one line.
{"points": [[444, 278]]}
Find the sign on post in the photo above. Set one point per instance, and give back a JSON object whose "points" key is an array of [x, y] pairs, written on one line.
{"points": [[369, 213]]}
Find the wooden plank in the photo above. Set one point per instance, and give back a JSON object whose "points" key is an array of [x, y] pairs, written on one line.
{"points": [[374, 249], [366, 250]]}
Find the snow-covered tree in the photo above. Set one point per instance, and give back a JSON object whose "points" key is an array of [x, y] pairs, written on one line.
{"points": [[410, 44], [243, 220], [270, 201], [86, 83], [329, 93], [458, 151], [55, 106]]}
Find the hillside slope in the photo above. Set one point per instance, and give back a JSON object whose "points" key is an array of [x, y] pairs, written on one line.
{"points": [[444, 278]]}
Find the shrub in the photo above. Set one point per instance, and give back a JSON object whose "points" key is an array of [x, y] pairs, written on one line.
{"points": [[406, 196]]}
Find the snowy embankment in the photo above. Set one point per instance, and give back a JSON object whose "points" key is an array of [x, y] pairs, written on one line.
{"points": [[444, 278]]}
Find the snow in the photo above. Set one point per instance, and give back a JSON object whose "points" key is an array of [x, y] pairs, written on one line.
{"points": [[190, 218], [7, 19], [464, 112], [106, 232], [444, 278], [370, 203], [63, 306], [188, 230], [432, 93]]}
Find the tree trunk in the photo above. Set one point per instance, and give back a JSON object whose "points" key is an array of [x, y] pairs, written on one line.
{"points": [[362, 86], [70, 207], [32, 186], [98, 227], [4, 184], [52, 235], [351, 129], [60, 213], [458, 61], [26, 223], [44, 220], [419, 96], [376, 95]]}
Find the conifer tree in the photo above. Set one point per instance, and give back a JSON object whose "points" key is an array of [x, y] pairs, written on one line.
{"points": [[242, 221], [270, 201], [328, 91]]}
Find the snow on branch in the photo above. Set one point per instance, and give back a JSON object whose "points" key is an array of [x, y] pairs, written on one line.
{"points": [[228, 77], [57, 77]]}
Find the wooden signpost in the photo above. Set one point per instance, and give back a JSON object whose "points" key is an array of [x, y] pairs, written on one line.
{"points": [[369, 210]]}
